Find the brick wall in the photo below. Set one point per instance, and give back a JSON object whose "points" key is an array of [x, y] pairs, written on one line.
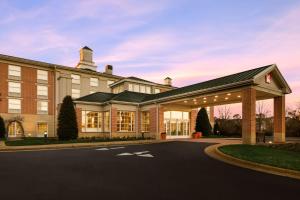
{"points": [[193, 117], [152, 113], [51, 93], [78, 118], [113, 120], [29, 91], [3, 87]]}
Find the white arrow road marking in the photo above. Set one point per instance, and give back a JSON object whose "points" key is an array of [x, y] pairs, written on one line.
{"points": [[102, 149], [125, 154], [141, 152], [117, 148], [146, 155]]}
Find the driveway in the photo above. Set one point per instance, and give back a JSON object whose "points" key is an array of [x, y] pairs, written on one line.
{"points": [[172, 170]]}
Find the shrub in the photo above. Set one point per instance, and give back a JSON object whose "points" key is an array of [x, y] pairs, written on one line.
{"points": [[67, 122], [202, 122], [2, 128]]}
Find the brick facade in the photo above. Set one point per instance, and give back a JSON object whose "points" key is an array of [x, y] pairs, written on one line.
{"points": [[193, 117], [249, 116], [114, 113], [29, 90], [279, 119], [3, 87]]}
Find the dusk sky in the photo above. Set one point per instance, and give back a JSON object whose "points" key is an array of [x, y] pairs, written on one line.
{"points": [[189, 41]]}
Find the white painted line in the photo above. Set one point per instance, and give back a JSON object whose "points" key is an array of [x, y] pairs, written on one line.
{"points": [[125, 154], [141, 152], [146, 155], [117, 148], [102, 149]]}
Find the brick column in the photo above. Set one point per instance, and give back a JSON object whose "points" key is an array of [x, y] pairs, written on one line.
{"points": [[193, 116], [212, 115], [161, 126], [279, 119], [78, 118], [249, 120], [113, 120]]}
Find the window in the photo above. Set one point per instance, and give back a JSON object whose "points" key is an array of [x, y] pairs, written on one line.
{"points": [[42, 107], [94, 82], [92, 92], [136, 88], [42, 90], [42, 127], [14, 87], [156, 90], [145, 121], [108, 83], [148, 90], [75, 79], [42, 75], [75, 93], [14, 70], [125, 121], [14, 104], [130, 87], [106, 121], [118, 89], [176, 123], [143, 89], [91, 121]]}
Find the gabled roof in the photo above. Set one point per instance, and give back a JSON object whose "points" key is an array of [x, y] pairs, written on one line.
{"points": [[218, 82], [231, 81], [125, 96]]}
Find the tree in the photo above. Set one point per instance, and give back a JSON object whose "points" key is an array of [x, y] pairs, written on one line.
{"points": [[216, 128], [67, 122], [224, 113], [202, 122], [2, 128], [262, 113]]}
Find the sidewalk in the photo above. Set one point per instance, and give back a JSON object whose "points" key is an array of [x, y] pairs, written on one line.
{"points": [[4, 148]]}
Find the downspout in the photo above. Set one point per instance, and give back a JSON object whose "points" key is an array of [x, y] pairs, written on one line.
{"points": [[54, 102], [157, 121], [110, 121]]}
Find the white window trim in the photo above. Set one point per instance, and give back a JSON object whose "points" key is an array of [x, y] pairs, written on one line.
{"points": [[42, 90], [76, 93], [75, 78], [15, 103], [14, 70], [42, 75], [94, 82], [14, 85]]}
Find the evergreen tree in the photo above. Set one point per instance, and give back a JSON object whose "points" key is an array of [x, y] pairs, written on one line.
{"points": [[216, 128], [202, 122], [67, 122], [2, 128]]}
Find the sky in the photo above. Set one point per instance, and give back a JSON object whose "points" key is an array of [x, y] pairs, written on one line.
{"points": [[188, 40]]}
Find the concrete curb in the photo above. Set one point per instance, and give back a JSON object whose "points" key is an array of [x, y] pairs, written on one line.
{"points": [[75, 145], [215, 153]]}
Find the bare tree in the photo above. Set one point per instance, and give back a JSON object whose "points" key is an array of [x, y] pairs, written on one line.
{"points": [[224, 112], [262, 112]]}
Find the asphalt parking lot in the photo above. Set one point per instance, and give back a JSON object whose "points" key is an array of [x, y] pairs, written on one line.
{"points": [[173, 170]]}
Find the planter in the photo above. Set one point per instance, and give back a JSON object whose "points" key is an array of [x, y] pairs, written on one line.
{"points": [[163, 136], [197, 135]]}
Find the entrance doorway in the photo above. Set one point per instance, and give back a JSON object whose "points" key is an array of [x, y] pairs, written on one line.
{"points": [[15, 129], [177, 124], [42, 127]]}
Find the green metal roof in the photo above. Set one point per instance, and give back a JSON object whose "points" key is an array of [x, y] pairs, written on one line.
{"points": [[135, 97]]}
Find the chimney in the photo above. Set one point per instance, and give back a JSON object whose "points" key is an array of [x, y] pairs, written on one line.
{"points": [[86, 59], [168, 81], [108, 69]]}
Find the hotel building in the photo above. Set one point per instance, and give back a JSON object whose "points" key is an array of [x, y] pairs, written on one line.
{"points": [[108, 105]]}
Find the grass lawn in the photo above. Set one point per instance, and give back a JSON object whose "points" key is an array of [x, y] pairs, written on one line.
{"points": [[278, 157], [43, 141]]}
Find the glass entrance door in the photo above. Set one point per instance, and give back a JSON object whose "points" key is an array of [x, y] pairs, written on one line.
{"points": [[176, 124]]}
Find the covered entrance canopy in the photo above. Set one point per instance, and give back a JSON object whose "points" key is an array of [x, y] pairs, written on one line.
{"points": [[245, 87]]}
